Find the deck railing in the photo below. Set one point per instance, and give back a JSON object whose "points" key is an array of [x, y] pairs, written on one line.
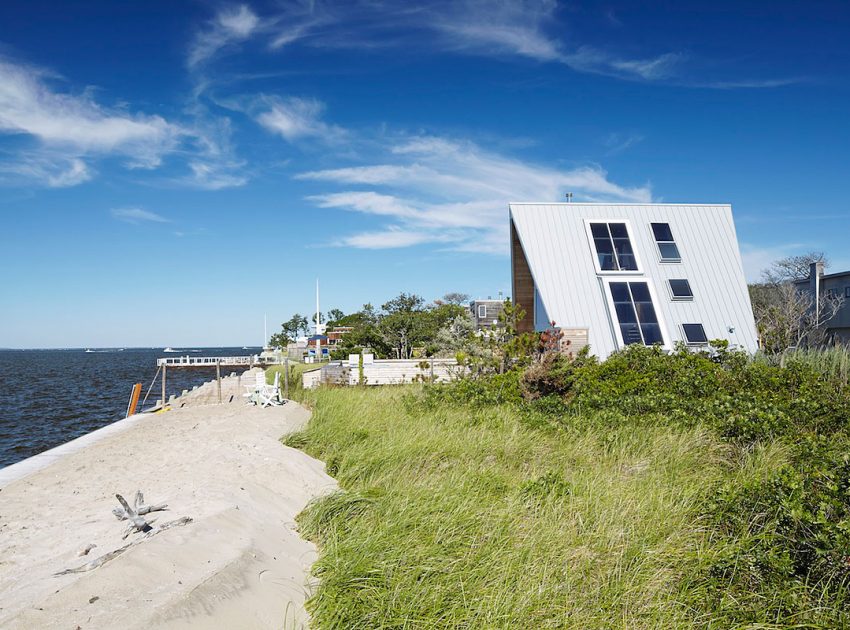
{"points": [[190, 361]]}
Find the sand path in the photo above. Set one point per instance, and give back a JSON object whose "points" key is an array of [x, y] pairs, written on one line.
{"points": [[239, 564]]}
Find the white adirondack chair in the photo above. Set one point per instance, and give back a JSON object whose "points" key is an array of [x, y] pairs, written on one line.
{"points": [[270, 394]]}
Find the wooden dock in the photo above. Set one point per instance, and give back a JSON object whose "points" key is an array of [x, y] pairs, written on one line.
{"points": [[188, 361]]}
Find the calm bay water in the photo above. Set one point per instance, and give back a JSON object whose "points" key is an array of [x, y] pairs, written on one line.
{"points": [[48, 397]]}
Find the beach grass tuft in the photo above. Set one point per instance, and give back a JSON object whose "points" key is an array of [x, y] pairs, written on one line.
{"points": [[478, 518]]}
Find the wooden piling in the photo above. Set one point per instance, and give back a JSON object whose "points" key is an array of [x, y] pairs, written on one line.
{"points": [[218, 379], [164, 368]]}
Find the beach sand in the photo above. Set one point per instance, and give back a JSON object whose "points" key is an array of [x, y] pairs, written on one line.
{"points": [[238, 564]]}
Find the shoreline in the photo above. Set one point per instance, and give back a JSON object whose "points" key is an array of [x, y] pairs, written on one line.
{"points": [[238, 563]]}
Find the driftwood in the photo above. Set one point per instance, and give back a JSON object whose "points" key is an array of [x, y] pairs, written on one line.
{"points": [[138, 506], [137, 524], [153, 531]]}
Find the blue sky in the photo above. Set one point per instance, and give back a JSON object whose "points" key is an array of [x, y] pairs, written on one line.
{"points": [[171, 172]]}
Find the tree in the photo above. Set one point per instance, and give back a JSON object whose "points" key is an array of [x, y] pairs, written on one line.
{"points": [[321, 317], [294, 325], [792, 268], [788, 317], [404, 303], [279, 340], [334, 315], [455, 298]]}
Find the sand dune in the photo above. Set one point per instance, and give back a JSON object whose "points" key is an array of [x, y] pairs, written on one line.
{"points": [[239, 564]]}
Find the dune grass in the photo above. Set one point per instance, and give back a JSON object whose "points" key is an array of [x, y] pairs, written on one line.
{"points": [[492, 518]]}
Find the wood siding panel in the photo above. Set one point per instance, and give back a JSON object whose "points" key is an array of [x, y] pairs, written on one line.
{"points": [[523, 283]]}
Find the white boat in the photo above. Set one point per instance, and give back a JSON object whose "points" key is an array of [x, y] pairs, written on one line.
{"points": [[170, 349]]}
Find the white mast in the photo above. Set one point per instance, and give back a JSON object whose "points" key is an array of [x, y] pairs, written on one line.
{"points": [[320, 329]]}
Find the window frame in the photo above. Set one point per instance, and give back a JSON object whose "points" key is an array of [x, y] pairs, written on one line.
{"points": [[595, 256], [480, 314], [694, 343], [847, 292], [612, 311], [673, 296], [661, 259]]}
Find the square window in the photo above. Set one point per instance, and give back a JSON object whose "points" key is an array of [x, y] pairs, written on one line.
{"points": [[482, 311], [681, 289], [694, 334], [847, 292]]}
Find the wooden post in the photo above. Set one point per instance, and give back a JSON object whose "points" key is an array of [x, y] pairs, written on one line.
{"points": [[164, 399], [286, 378], [218, 378], [432, 369]]}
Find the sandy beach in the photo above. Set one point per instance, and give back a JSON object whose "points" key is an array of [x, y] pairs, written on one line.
{"points": [[238, 564]]}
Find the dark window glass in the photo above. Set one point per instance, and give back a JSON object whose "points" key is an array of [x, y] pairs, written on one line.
{"points": [[847, 292], [618, 230], [666, 244], [635, 313], [669, 251], [694, 333], [620, 292], [662, 232], [613, 247], [681, 289], [599, 230]]}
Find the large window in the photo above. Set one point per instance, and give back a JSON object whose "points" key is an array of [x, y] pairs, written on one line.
{"points": [[666, 244], [635, 313], [694, 334], [680, 289], [614, 250]]}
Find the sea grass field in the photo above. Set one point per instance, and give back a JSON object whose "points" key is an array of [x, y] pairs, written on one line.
{"points": [[648, 491]]}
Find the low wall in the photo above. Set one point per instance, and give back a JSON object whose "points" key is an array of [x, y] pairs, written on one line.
{"points": [[390, 372]]}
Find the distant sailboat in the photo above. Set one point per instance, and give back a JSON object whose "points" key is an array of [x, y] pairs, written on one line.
{"points": [[170, 349]]}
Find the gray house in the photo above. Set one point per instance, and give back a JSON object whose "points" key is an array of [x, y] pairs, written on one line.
{"points": [[486, 313], [820, 285]]}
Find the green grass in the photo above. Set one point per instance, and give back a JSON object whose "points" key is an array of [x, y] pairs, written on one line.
{"points": [[296, 371], [833, 363], [489, 517]]}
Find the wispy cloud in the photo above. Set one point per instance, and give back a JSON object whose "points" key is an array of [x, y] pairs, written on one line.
{"points": [[29, 106], [229, 26], [756, 259], [65, 131], [293, 118], [618, 142], [441, 190], [50, 170], [138, 215]]}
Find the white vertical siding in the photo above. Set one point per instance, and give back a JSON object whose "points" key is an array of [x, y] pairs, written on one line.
{"points": [[561, 258]]}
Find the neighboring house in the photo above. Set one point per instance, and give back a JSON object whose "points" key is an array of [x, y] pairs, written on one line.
{"points": [[336, 333], [609, 275], [820, 285], [486, 313]]}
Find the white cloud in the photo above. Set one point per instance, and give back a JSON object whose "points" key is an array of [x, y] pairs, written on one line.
{"points": [[216, 175], [28, 106], [52, 171], [229, 26], [756, 259], [76, 173], [294, 118], [454, 192], [138, 215]]}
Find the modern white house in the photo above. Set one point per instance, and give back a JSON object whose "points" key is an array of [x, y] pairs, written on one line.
{"points": [[609, 275]]}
